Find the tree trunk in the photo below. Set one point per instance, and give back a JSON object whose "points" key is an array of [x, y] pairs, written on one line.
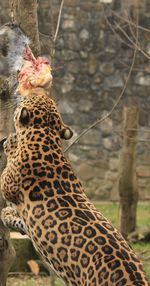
{"points": [[128, 189], [25, 15], [7, 252]]}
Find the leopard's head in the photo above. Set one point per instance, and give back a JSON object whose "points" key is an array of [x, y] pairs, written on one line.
{"points": [[39, 111]]}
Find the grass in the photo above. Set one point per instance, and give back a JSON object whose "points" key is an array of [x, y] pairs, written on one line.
{"points": [[143, 250], [31, 281], [111, 211]]}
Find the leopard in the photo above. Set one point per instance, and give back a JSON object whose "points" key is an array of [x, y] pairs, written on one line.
{"points": [[51, 207]]}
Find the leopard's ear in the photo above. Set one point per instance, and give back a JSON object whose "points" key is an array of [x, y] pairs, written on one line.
{"points": [[2, 141], [66, 133], [24, 116]]}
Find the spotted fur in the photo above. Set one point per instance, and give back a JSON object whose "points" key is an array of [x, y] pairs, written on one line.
{"points": [[12, 220], [76, 240]]}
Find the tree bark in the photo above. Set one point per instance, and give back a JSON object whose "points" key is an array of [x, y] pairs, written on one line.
{"points": [[25, 15], [128, 189], [7, 252]]}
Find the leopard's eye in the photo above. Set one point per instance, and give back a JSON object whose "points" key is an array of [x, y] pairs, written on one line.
{"points": [[24, 116]]}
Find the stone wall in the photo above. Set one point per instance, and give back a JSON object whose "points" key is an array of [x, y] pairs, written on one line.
{"points": [[91, 65]]}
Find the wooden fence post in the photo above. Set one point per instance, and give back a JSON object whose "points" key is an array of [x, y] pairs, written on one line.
{"points": [[128, 189]]}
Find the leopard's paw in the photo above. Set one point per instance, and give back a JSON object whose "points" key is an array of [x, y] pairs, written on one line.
{"points": [[11, 219]]}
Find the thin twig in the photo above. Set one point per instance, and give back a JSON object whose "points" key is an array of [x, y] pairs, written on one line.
{"points": [[141, 49], [131, 23], [139, 130], [132, 42], [121, 134], [132, 45], [131, 129], [127, 66], [131, 29], [98, 121], [116, 34], [58, 22]]}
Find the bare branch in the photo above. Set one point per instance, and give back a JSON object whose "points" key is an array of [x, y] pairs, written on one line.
{"points": [[132, 42], [120, 133], [131, 29], [116, 34], [58, 22], [128, 21], [128, 66], [99, 121], [145, 130]]}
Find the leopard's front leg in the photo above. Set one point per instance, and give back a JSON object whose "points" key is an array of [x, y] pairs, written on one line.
{"points": [[12, 220]]}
